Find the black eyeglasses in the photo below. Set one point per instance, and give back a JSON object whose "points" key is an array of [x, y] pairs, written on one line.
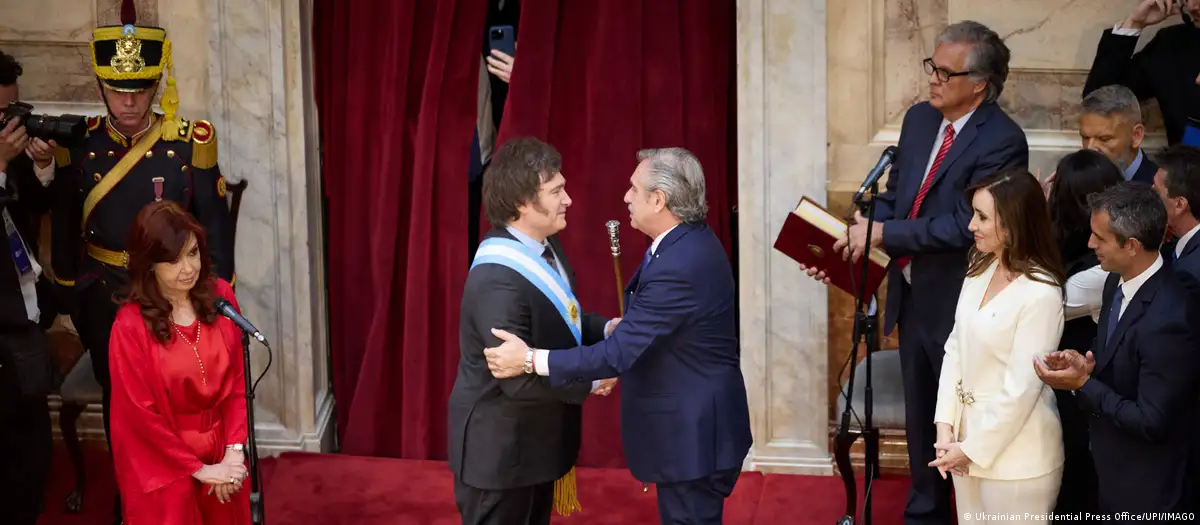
{"points": [[942, 74]]}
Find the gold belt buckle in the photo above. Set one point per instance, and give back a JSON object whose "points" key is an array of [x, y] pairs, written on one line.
{"points": [[965, 396]]}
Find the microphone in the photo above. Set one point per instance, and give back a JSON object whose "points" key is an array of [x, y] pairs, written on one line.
{"points": [[885, 162], [225, 309]]}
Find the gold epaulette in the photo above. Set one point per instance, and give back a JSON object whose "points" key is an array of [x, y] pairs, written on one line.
{"points": [[204, 144], [182, 130], [93, 123]]}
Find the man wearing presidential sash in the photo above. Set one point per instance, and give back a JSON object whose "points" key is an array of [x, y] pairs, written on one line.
{"points": [[130, 157], [514, 442]]}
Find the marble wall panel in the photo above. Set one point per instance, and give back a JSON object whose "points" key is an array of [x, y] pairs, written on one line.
{"points": [[1047, 34], [54, 72], [48, 20]]}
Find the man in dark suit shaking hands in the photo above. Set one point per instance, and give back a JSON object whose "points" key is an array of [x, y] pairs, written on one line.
{"points": [[685, 423], [1139, 379], [956, 138], [513, 440]]}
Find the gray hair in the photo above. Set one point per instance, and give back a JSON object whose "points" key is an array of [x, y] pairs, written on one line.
{"points": [[1114, 100], [988, 60], [678, 174], [1135, 211]]}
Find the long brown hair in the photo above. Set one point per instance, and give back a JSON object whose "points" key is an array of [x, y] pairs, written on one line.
{"points": [[159, 234], [1030, 246]]}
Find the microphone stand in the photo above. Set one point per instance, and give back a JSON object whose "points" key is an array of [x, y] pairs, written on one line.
{"points": [[256, 501], [865, 330]]}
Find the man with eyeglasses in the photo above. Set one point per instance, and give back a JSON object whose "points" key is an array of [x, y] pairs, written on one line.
{"points": [[957, 137]]}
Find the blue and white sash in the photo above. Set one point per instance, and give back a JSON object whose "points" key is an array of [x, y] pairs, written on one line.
{"points": [[518, 257]]}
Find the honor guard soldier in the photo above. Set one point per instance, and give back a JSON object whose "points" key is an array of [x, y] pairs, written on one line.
{"points": [[131, 156]]}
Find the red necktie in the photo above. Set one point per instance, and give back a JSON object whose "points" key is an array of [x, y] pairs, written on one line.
{"points": [[947, 140]]}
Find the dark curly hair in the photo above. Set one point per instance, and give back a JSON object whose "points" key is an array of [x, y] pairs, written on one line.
{"points": [[10, 69], [159, 234]]}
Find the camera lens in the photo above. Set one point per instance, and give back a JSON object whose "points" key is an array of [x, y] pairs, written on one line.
{"points": [[64, 129]]}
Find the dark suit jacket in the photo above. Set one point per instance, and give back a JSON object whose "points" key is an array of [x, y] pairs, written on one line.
{"points": [[509, 433], [684, 413], [1187, 266], [1146, 170], [1165, 70], [26, 200], [1142, 397], [938, 239]]}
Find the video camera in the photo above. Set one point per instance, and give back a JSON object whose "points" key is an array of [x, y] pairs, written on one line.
{"points": [[66, 130]]}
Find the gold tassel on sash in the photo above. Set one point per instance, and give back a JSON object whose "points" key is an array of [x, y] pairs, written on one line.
{"points": [[566, 500]]}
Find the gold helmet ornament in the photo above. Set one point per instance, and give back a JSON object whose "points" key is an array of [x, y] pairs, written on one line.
{"points": [[133, 58]]}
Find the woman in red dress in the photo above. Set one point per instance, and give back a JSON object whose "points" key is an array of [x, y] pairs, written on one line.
{"points": [[178, 403]]}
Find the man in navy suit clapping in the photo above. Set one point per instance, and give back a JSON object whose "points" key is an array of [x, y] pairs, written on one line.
{"points": [[685, 422]]}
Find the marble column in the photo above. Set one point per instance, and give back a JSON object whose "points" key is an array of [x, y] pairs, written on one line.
{"points": [[781, 89], [246, 65]]}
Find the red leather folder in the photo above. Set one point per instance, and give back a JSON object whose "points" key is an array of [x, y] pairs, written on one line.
{"points": [[808, 236]]}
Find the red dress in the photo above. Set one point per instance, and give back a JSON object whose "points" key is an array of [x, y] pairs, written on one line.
{"points": [[167, 423]]}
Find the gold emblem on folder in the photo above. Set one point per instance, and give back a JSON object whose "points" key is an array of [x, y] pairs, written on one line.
{"points": [[816, 251]]}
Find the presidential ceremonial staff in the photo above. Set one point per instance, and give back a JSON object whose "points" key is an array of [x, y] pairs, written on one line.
{"points": [[614, 243]]}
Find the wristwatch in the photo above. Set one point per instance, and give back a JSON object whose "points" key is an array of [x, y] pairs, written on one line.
{"points": [[528, 361], [236, 447]]}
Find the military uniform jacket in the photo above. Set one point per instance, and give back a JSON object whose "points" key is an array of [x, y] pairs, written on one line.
{"points": [[183, 170]]}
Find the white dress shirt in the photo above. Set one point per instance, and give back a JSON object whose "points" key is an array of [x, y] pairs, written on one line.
{"points": [[1182, 242], [1130, 288], [541, 358], [1009, 425], [937, 146]]}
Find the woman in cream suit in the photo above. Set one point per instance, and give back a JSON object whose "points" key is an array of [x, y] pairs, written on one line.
{"points": [[998, 427]]}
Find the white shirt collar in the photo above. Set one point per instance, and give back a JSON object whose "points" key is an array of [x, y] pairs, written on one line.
{"points": [[958, 124], [529, 242], [1130, 288], [1182, 242], [661, 236]]}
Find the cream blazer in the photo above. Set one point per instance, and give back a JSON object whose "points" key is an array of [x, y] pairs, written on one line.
{"points": [[988, 384]]}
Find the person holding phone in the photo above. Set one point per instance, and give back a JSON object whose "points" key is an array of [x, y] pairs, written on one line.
{"points": [[1165, 69]]}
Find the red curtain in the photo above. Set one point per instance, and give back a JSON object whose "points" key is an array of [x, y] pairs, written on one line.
{"points": [[600, 80], [396, 88]]}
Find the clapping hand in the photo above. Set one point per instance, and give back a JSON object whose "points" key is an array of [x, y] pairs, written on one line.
{"points": [[1065, 370]]}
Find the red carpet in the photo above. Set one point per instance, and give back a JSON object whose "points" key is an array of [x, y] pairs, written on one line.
{"points": [[334, 489]]}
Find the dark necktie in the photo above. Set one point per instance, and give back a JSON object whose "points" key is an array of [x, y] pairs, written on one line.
{"points": [[1114, 315], [548, 256], [646, 260]]}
